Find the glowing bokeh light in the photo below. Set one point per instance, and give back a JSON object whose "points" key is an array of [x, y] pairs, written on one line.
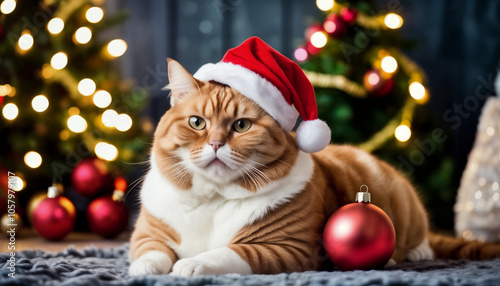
{"points": [[325, 5], [33, 159], [55, 26], [300, 54], [417, 90], [402, 133], [102, 99], [8, 6], [389, 64], [318, 39], [373, 78], [10, 111], [86, 87], [109, 117], [59, 61], [94, 14], [123, 122], [117, 47], [40, 103], [26, 41], [393, 21], [83, 35], [106, 151], [77, 124]]}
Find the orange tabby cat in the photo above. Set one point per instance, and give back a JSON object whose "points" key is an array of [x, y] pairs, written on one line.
{"points": [[230, 192]]}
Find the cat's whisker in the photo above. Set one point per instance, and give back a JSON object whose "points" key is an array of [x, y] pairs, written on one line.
{"points": [[136, 182], [250, 177], [132, 186], [242, 175], [146, 162], [257, 175]]}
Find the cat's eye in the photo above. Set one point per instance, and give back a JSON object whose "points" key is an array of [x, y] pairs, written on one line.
{"points": [[242, 125], [197, 123]]}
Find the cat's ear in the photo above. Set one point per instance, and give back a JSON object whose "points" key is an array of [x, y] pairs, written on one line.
{"points": [[181, 82]]}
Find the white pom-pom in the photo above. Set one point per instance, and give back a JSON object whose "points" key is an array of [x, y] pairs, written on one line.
{"points": [[313, 136]]}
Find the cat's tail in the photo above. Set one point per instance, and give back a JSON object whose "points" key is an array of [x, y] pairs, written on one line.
{"points": [[459, 248]]}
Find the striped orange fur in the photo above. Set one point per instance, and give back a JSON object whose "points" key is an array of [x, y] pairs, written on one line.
{"points": [[279, 236]]}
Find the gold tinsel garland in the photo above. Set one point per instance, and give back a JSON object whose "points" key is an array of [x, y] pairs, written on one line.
{"points": [[336, 81]]}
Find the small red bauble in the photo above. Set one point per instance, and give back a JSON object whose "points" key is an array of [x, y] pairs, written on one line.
{"points": [[377, 84], [359, 236], [107, 217], [4, 180], [54, 217], [335, 26], [91, 177], [312, 49], [349, 15]]}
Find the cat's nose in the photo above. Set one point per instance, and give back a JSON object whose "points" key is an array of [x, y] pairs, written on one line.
{"points": [[216, 144]]}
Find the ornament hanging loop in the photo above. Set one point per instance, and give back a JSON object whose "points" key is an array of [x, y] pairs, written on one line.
{"points": [[363, 197]]}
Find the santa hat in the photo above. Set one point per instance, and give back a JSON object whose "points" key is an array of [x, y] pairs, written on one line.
{"points": [[277, 84]]}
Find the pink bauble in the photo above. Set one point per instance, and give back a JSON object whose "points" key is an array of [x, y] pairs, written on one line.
{"points": [[359, 236], [91, 177], [54, 218], [349, 15], [107, 217], [335, 26]]}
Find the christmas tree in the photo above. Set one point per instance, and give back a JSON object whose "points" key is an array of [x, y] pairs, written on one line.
{"points": [[61, 97], [372, 95], [478, 202]]}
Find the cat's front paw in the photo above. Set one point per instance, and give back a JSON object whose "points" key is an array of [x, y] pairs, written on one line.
{"points": [[153, 262], [189, 267]]}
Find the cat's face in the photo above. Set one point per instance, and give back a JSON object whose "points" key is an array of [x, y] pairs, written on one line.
{"points": [[214, 131]]}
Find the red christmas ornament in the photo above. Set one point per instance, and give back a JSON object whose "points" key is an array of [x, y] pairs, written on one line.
{"points": [[91, 177], [107, 216], [54, 217], [4, 180], [335, 26], [312, 49], [1, 100], [349, 15], [359, 236], [377, 84]]}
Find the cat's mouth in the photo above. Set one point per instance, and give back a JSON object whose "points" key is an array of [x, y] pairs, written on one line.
{"points": [[217, 162]]}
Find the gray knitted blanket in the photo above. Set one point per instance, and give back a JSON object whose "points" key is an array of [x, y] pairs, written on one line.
{"points": [[94, 266]]}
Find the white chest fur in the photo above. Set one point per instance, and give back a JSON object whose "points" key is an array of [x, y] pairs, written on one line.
{"points": [[209, 216]]}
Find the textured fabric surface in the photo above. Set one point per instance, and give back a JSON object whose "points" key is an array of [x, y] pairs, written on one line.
{"points": [[94, 266]]}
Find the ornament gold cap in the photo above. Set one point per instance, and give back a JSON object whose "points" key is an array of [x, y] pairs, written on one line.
{"points": [[118, 196], [363, 197]]}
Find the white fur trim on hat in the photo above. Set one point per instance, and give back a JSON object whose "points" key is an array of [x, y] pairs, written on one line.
{"points": [[253, 86], [313, 136]]}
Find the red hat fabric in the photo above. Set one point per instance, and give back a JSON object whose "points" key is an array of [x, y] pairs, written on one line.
{"points": [[277, 84]]}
